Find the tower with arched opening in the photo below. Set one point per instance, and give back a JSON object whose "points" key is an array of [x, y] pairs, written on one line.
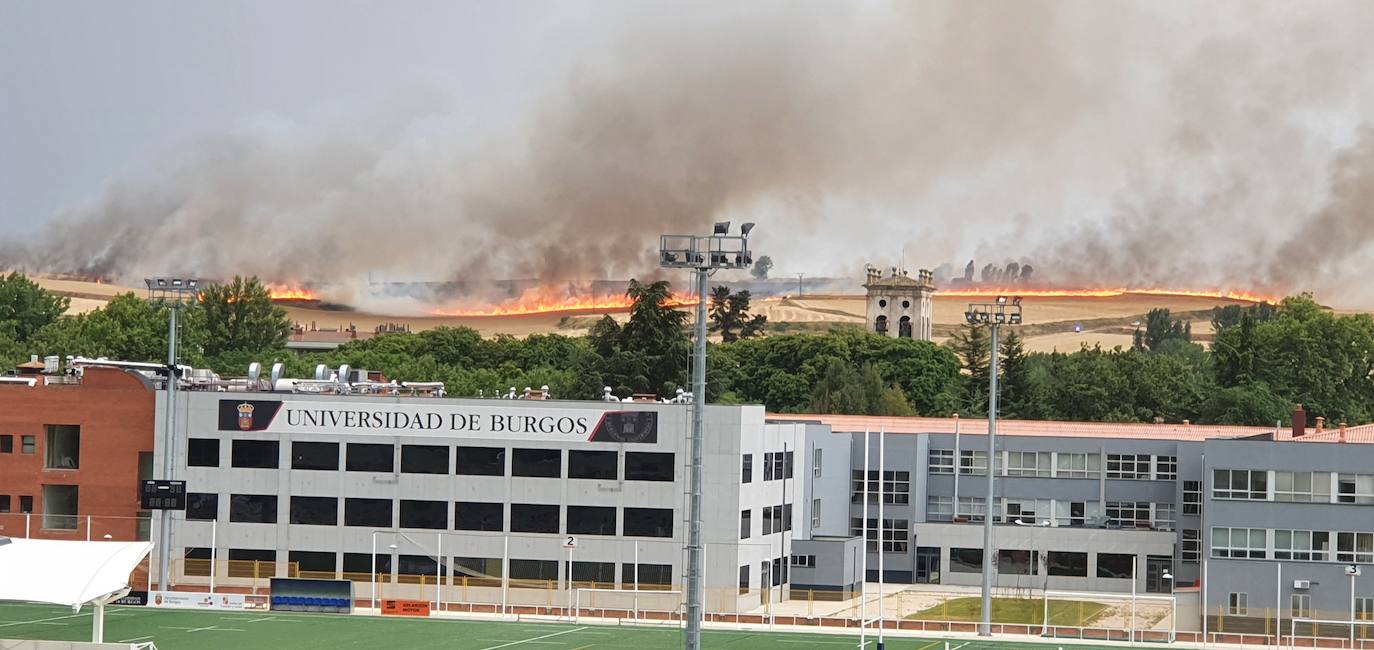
{"points": [[899, 305]]}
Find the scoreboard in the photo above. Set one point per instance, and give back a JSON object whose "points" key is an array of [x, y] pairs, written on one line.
{"points": [[163, 495]]}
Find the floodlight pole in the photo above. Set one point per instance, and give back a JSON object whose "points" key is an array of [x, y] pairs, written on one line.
{"points": [[168, 440], [988, 554]]}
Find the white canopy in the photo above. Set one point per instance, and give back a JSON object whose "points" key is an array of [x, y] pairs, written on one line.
{"points": [[66, 573]]}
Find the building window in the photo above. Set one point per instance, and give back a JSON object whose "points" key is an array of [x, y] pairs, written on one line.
{"points": [[260, 454], [1020, 563], [804, 561], [746, 524], [479, 515], [815, 514], [424, 514], [1125, 514], [1166, 468], [311, 455], [64, 446], [896, 486], [744, 579], [1024, 510], [424, 459], [1354, 547], [1239, 542], [28, 444], [414, 569], [4, 503], [940, 461], [601, 465], [939, 508], [315, 511], [60, 507], [649, 466], [1301, 606], [538, 463], [481, 461], [370, 457], [1128, 466], [477, 571], [1302, 545], [591, 520], [370, 513], [648, 522], [1192, 546], [973, 463], [1364, 608], [816, 463], [1066, 563], [656, 575], [1164, 518], [896, 533], [975, 507], [203, 506], [25, 503], [196, 561], [594, 574], [1078, 465], [966, 560], [7, 444], [1028, 463], [314, 562], [788, 464], [1192, 498], [253, 508], [777, 465], [361, 565], [252, 563], [534, 518], [202, 452], [1237, 604], [1302, 487], [1355, 488], [1240, 484], [1115, 565], [546, 570], [746, 472]]}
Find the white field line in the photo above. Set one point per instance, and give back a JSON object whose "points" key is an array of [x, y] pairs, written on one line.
{"points": [[507, 645]]}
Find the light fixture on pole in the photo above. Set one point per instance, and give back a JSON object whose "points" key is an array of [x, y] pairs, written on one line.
{"points": [[174, 293], [703, 255], [994, 315]]}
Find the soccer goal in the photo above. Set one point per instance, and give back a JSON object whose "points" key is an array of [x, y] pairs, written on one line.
{"points": [[1322, 632], [1109, 616], [648, 606]]}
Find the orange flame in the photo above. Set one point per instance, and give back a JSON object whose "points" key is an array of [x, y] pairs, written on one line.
{"points": [[533, 302], [288, 292], [1237, 295]]}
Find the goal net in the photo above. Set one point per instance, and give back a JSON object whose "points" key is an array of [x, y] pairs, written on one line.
{"points": [[640, 605], [1109, 616], [1330, 632]]}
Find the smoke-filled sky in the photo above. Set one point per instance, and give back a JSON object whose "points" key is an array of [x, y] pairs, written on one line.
{"points": [[1180, 144]]}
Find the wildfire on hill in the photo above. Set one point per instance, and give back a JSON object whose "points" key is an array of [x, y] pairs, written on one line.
{"points": [[531, 303], [1024, 292], [280, 291]]}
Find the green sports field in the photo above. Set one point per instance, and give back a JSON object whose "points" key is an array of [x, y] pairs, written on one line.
{"points": [[174, 629]]}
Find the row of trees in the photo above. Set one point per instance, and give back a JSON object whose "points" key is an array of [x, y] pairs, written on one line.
{"points": [[1264, 358]]}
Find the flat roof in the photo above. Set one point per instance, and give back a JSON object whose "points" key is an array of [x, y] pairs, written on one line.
{"points": [[1045, 428]]}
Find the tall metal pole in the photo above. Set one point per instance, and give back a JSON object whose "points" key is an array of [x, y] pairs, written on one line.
{"points": [[989, 555], [695, 592], [168, 444]]}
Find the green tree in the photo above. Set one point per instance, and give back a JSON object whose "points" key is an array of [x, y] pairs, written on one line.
{"points": [[729, 313], [26, 307], [127, 328], [857, 391], [239, 316], [1013, 385], [1160, 326], [971, 343], [762, 266]]}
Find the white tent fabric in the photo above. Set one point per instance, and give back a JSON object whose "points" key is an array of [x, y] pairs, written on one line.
{"points": [[66, 573]]}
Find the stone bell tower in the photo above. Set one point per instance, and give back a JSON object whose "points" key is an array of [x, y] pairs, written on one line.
{"points": [[899, 305]]}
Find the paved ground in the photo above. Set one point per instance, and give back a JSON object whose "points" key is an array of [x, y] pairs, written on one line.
{"points": [[201, 630]]}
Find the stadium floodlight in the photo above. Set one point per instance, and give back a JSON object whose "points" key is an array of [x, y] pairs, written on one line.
{"points": [[172, 292], [1016, 300], [994, 315], [745, 228], [704, 255]]}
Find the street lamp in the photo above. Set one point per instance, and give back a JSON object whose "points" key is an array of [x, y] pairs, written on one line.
{"points": [[703, 254], [172, 292], [994, 315]]}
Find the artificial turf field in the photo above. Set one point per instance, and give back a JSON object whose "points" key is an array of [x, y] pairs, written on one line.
{"points": [[173, 629]]}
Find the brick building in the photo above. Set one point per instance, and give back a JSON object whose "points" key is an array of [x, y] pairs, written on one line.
{"points": [[72, 450]]}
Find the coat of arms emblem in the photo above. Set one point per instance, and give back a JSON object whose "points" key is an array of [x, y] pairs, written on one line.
{"points": [[245, 416]]}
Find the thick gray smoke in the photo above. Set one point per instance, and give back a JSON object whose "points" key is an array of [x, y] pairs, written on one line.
{"points": [[1111, 143]]}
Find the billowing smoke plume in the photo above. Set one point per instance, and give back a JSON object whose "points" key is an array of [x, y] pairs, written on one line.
{"points": [[1109, 142]]}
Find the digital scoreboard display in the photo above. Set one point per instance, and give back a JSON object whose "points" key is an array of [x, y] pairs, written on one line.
{"points": [[163, 495]]}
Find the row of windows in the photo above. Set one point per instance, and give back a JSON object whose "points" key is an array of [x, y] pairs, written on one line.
{"points": [[474, 571], [1071, 564], [1299, 545], [1289, 486], [25, 503], [467, 515], [776, 519], [896, 533], [27, 444], [1300, 606], [777, 465], [1118, 514], [895, 486], [776, 572], [435, 459], [1046, 464]]}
